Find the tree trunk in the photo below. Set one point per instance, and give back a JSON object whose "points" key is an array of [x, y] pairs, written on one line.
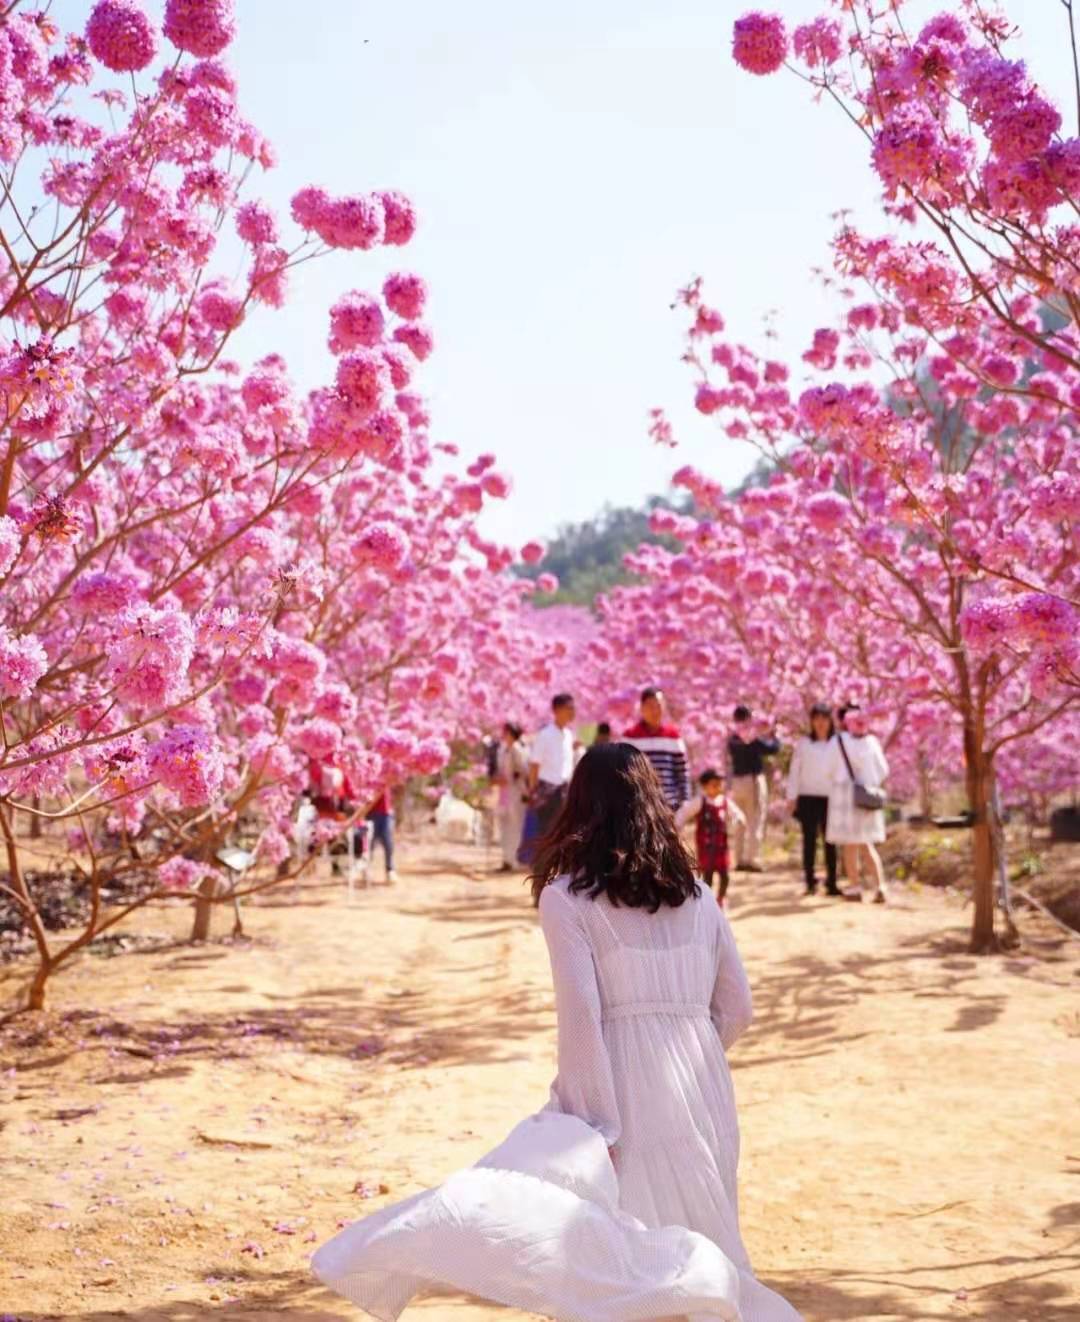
{"points": [[204, 909], [35, 996], [983, 937], [926, 798]]}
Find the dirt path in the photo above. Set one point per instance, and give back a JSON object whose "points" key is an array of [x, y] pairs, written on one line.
{"points": [[191, 1121]]}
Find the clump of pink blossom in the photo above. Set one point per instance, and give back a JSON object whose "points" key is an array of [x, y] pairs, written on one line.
{"points": [[1043, 618], [400, 217], [318, 738], [400, 362], [10, 540], [105, 592], [150, 656], [220, 310], [23, 661], [200, 27], [468, 498], [827, 511], [1024, 129], [547, 583], [417, 338], [405, 295], [430, 755], [363, 379], [819, 42], [256, 223], [496, 485], [760, 42], [395, 746], [358, 221], [356, 321], [188, 761], [532, 553], [986, 623], [178, 874], [121, 35], [911, 147], [381, 544], [298, 659]]}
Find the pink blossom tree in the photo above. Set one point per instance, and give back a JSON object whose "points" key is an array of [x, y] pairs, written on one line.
{"points": [[937, 457], [205, 578]]}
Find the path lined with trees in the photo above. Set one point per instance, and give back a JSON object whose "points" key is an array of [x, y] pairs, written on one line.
{"points": [[185, 1144]]}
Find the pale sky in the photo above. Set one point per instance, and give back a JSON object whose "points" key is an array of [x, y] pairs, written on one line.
{"points": [[573, 164]]}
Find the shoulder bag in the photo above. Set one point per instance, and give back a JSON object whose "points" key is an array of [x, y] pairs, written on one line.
{"points": [[868, 798]]}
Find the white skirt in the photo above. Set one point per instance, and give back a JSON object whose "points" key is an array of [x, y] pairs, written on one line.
{"points": [[533, 1225], [848, 825]]}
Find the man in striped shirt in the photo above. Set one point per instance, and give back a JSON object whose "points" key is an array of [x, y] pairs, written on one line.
{"points": [[663, 745]]}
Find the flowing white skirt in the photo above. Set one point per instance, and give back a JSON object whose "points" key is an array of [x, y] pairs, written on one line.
{"points": [[534, 1225]]}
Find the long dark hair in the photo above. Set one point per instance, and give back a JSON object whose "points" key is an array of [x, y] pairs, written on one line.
{"points": [[822, 709], [616, 835]]}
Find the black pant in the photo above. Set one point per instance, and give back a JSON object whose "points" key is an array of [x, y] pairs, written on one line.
{"points": [[549, 804], [812, 811], [722, 875]]}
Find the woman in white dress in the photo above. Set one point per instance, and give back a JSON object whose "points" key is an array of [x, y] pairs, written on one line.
{"points": [[629, 1207], [858, 830]]}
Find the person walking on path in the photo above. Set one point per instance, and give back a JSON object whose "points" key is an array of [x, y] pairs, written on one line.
{"points": [[618, 1201], [663, 745], [808, 787], [551, 762], [511, 773], [715, 817], [749, 788], [381, 817], [858, 764]]}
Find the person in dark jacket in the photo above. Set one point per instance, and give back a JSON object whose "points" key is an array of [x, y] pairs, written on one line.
{"points": [[749, 788]]}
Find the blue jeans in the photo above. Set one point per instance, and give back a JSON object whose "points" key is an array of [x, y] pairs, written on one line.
{"points": [[382, 833]]}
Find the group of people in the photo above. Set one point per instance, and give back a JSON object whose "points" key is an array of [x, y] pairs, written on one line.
{"points": [[834, 786], [333, 797]]}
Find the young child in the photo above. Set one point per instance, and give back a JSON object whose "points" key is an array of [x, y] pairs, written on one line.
{"points": [[716, 817]]}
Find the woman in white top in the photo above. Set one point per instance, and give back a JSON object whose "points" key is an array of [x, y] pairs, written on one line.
{"points": [[617, 1202], [809, 786], [858, 830], [511, 776]]}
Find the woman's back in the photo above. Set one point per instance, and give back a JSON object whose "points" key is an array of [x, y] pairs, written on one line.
{"points": [[648, 961], [646, 1004]]}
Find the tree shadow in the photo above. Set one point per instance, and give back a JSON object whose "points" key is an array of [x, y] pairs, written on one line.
{"points": [[1043, 1293]]}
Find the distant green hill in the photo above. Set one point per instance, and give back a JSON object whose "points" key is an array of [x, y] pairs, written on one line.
{"points": [[587, 557]]}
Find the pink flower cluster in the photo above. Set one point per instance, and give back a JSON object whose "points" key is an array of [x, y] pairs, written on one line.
{"points": [[188, 761], [405, 295], [200, 27], [121, 35], [23, 661], [382, 545], [760, 42], [360, 221]]}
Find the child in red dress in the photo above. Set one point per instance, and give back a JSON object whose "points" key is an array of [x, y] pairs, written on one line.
{"points": [[716, 817]]}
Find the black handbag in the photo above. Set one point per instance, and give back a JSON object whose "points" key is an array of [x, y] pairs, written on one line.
{"points": [[866, 797]]}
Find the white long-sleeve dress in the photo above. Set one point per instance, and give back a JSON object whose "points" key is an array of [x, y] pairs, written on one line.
{"points": [[647, 1004], [846, 824]]}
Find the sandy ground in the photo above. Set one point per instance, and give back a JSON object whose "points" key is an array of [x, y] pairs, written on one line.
{"points": [[188, 1122]]}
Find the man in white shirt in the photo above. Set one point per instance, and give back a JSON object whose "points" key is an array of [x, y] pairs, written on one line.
{"points": [[551, 761]]}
